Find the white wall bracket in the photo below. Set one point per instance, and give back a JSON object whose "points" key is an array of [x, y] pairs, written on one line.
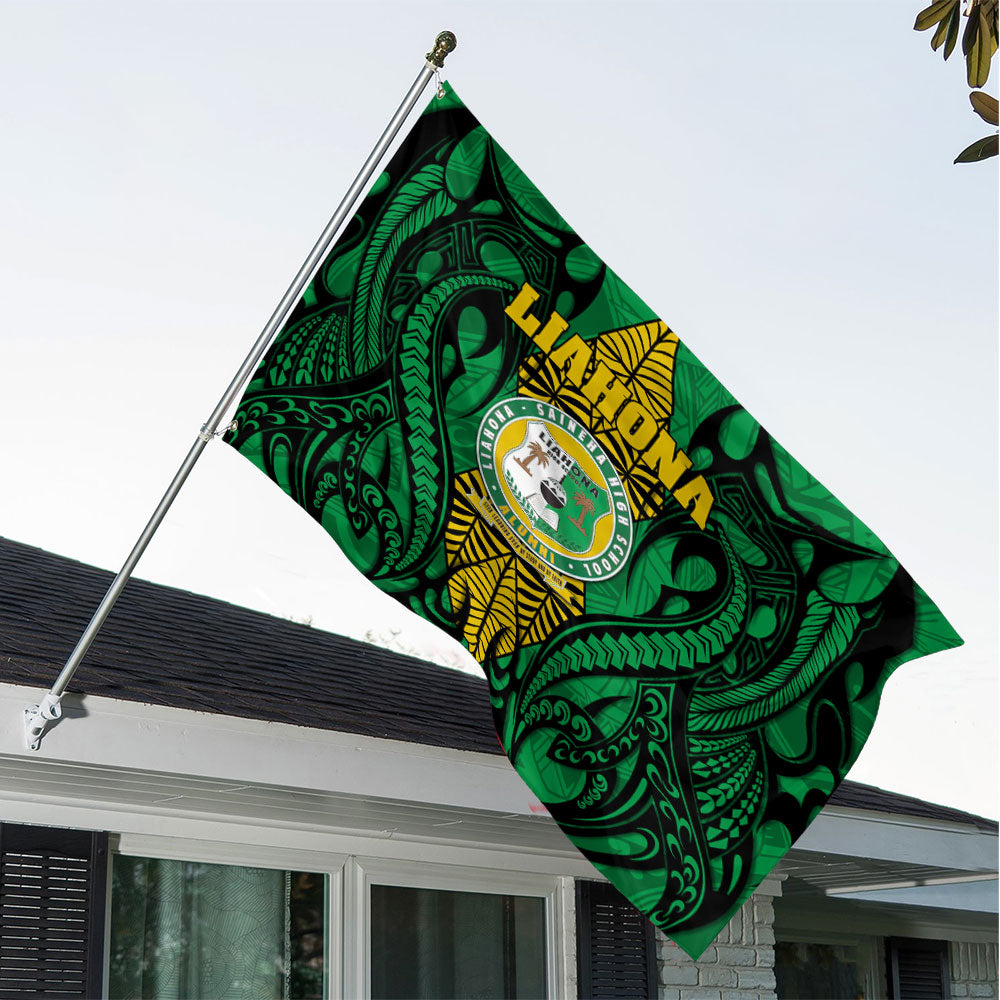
{"points": [[37, 718]]}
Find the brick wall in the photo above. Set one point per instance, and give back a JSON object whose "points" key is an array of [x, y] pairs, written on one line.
{"points": [[973, 969], [737, 965]]}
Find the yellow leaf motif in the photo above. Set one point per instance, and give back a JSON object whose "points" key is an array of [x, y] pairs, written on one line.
{"points": [[507, 603], [642, 358]]}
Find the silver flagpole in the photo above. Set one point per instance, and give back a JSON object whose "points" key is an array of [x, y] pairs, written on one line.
{"points": [[37, 717]]}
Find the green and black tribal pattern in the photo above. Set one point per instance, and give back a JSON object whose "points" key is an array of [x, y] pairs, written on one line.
{"points": [[685, 634]]}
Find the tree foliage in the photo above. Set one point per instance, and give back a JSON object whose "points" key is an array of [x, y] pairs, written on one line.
{"points": [[979, 45]]}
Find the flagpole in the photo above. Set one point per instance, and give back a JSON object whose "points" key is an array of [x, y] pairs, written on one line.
{"points": [[37, 717]]}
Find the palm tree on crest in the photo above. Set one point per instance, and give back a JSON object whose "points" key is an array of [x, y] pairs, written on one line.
{"points": [[536, 453], [585, 506]]}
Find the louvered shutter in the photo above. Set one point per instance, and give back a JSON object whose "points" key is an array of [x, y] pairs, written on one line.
{"points": [[918, 970], [616, 951], [53, 886]]}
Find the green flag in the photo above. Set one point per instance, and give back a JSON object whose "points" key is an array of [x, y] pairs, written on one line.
{"points": [[685, 634]]}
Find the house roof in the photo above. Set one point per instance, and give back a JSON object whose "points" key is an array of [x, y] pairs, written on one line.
{"points": [[854, 795], [166, 646]]}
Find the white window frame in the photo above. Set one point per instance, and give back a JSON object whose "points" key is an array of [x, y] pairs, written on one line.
{"points": [[349, 881], [360, 874]]}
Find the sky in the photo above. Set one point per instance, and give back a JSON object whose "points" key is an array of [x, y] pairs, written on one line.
{"points": [[775, 179]]}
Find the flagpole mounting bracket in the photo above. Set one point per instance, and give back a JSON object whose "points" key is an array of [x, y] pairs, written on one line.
{"points": [[443, 44], [37, 718]]}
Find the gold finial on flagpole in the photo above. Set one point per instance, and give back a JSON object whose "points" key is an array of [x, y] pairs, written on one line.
{"points": [[443, 44]]}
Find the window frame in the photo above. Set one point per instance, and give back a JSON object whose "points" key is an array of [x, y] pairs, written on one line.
{"points": [[361, 873], [349, 881], [166, 848]]}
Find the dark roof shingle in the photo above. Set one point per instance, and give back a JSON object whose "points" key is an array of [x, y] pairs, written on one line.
{"points": [[165, 646], [854, 795]]}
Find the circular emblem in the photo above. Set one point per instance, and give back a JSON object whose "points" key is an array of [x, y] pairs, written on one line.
{"points": [[554, 487]]}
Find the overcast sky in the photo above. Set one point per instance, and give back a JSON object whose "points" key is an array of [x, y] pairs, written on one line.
{"points": [[775, 179]]}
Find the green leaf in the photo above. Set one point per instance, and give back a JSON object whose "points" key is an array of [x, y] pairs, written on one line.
{"points": [[979, 45], [944, 29], [969, 35], [985, 106], [465, 164], [930, 16], [981, 149], [988, 8], [953, 25], [939, 35]]}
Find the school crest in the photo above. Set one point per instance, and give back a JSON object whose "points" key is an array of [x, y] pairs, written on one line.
{"points": [[552, 483]]}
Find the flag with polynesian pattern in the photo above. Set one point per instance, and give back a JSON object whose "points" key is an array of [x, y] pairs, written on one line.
{"points": [[685, 635]]}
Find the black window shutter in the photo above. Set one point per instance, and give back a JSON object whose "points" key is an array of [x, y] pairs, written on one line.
{"points": [[616, 950], [917, 969], [53, 887]]}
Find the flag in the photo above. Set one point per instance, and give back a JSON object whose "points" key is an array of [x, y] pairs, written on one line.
{"points": [[685, 635]]}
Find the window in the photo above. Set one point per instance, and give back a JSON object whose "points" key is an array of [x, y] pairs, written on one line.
{"points": [[179, 918], [821, 971], [434, 943], [424, 931], [184, 929]]}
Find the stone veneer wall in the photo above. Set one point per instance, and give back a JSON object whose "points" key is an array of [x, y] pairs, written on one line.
{"points": [[973, 969], [738, 965]]}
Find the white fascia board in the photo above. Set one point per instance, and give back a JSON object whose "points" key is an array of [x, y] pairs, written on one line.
{"points": [[841, 920], [170, 833], [971, 897], [132, 735], [111, 733], [905, 839]]}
